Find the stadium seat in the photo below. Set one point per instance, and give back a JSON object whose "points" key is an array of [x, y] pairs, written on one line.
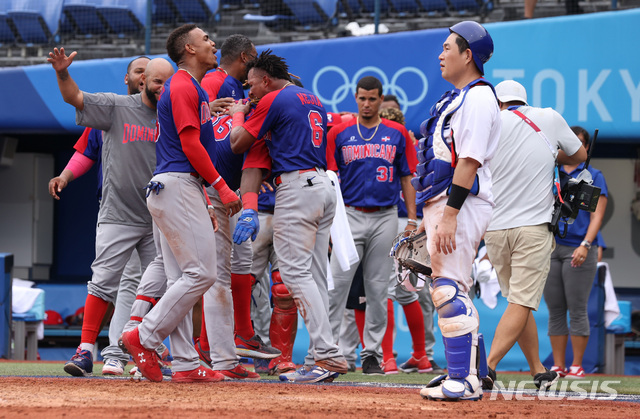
{"points": [[196, 11], [213, 6], [431, 6], [368, 6], [7, 36], [354, 8], [317, 12], [35, 21], [83, 18], [123, 17], [465, 6], [404, 6], [162, 12], [226, 4]]}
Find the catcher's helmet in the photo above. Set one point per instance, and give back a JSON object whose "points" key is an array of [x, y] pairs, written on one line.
{"points": [[479, 40]]}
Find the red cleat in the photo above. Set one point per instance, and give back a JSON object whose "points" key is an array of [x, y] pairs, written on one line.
{"points": [[279, 366], [145, 359], [239, 373], [199, 375]]}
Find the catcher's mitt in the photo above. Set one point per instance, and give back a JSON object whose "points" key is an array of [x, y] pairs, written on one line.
{"points": [[411, 252]]}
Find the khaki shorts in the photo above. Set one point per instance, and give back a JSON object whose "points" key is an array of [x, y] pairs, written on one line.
{"points": [[521, 257]]}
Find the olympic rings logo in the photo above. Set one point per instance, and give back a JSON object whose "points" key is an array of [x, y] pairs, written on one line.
{"points": [[390, 86]]}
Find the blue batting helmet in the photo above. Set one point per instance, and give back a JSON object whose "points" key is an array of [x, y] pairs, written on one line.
{"points": [[479, 40]]}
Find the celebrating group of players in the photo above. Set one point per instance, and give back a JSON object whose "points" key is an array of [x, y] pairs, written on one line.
{"points": [[210, 154]]}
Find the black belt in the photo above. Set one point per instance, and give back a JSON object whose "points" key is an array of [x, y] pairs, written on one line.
{"points": [[369, 209]]}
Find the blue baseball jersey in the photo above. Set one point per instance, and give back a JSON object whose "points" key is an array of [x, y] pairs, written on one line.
{"points": [[370, 170], [218, 84], [577, 230], [227, 163], [90, 145], [183, 103], [267, 201], [293, 123], [402, 207]]}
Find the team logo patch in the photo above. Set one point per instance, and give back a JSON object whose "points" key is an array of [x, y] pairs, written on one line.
{"points": [[385, 139], [205, 113], [352, 139]]}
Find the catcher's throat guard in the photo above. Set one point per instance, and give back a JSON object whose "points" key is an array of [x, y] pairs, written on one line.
{"points": [[411, 253]]}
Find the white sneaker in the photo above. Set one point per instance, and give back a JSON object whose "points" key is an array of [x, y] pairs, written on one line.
{"points": [[451, 389], [135, 372], [112, 367]]}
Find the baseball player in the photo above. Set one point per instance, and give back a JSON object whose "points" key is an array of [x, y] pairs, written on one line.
{"points": [[375, 158], [264, 262], [294, 123], [234, 265], [454, 181], [283, 321], [128, 157], [88, 152], [185, 149], [417, 306]]}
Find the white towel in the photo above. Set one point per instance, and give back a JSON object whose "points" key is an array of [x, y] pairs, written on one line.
{"points": [[330, 284], [483, 273], [23, 297], [343, 246], [611, 308]]}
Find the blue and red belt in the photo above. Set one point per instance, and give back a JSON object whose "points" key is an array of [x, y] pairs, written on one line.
{"points": [[369, 209], [301, 171]]}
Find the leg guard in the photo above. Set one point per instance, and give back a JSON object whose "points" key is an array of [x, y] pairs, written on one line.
{"points": [[459, 325], [483, 368], [284, 322]]}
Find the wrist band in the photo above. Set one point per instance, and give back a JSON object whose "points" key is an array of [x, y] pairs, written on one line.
{"points": [[210, 207], [250, 201], [457, 195], [412, 221], [216, 183], [238, 120]]}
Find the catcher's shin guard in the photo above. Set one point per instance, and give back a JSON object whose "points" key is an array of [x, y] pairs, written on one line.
{"points": [[459, 325], [284, 320], [483, 368]]}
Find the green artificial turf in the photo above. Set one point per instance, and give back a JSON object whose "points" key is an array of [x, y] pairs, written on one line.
{"points": [[621, 384]]}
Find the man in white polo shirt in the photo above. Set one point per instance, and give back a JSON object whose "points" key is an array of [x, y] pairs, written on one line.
{"points": [[519, 241]]}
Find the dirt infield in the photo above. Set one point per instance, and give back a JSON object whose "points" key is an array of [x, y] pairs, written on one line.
{"points": [[49, 397]]}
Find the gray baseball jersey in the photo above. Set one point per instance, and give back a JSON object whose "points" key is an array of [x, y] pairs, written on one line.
{"points": [[128, 154]]}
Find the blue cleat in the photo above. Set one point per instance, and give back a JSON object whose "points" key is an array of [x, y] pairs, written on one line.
{"points": [[261, 366], [81, 364], [310, 374]]}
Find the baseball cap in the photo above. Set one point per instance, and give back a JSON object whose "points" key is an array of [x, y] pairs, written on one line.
{"points": [[510, 90], [333, 119], [52, 317]]}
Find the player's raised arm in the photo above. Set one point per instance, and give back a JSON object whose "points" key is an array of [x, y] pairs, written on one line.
{"points": [[71, 93], [240, 138]]}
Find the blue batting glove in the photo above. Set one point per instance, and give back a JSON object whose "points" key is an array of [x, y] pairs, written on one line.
{"points": [[247, 226]]}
